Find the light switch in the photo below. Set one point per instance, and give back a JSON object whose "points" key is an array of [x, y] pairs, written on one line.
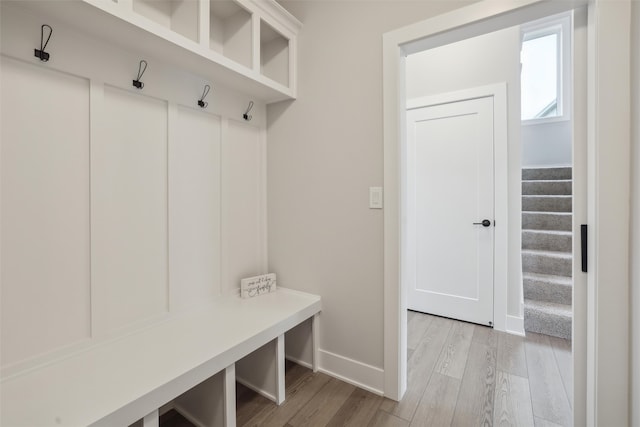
{"points": [[375, 197]]}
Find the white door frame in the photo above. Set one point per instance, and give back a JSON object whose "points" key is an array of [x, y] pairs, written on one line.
{"points": [[604, 357], [498, 92]]}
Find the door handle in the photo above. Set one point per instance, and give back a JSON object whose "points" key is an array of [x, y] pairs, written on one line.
{"points": [[484, 223], [583, 246]]}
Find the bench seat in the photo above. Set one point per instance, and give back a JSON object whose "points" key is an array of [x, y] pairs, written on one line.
{"points": [[120, 381]]}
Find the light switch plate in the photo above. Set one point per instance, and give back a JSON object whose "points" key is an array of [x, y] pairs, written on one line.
{"points": [[375, 197]]}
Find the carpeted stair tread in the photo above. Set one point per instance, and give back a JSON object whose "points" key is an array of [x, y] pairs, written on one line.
{"points": [[558, 254], [568, 281], [543, 187], [547, 173], [548, 232], [561, 221], [547, 262], [548, 318], [550, 240], [547, 287], [547, 203]]}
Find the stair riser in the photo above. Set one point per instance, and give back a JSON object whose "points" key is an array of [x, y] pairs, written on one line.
{"points": [[547, 324], [546, 242], [539, 221], [544, 264], [546, 173], [546, 204], [545, 291]]}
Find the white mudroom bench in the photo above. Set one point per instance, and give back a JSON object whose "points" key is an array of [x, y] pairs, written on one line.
{"points": [[122, 380]]}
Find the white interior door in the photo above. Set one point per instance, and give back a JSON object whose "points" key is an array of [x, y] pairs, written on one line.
{"points": [[450, 193]]}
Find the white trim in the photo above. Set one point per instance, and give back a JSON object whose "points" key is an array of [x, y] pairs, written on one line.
{"points": [[498, 92], [635, 239], [193, 420], [274, 12], [515, 325], [299, 362], [260, 391], [351, 371], [608, 212]]}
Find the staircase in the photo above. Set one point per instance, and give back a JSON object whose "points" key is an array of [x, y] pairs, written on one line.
{"points": [[546, 250]]}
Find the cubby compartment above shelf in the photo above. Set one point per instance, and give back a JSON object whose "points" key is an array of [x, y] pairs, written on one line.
{"points": [[274, 54], [230, 31], [181, 16]]}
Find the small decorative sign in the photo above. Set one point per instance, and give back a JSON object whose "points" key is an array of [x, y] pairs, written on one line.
{"points": [[258, 285]]}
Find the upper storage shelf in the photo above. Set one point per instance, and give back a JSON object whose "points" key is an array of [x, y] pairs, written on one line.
{"points": [[247, 45]]}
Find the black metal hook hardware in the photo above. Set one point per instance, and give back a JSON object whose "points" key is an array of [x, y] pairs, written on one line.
{"points": [[137, 83], [246, 115], [40, 53], [201, 101]]}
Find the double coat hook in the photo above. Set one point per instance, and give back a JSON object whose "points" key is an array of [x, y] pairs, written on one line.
{"points": [[201, 101], [40, 53], [142, 67], [246, 114]]}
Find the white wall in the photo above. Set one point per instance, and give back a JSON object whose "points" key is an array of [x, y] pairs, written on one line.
{"points": [[119, 206], [483, 60], [547, 144], [635, 216], [325, 151]]}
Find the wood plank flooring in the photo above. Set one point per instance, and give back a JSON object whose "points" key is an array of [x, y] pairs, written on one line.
{"points": [[459, 374]]}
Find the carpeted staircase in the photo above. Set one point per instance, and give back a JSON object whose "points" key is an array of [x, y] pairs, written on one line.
{"points": [[546, 250]]}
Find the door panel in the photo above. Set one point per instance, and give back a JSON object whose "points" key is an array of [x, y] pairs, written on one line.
{"points": [[451, 172]]}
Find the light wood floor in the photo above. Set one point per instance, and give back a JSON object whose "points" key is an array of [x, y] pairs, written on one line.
{"points": [[459, 374]]}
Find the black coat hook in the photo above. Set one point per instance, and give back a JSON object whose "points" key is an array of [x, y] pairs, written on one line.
{"points": [[40, 53], [201, 102], [137, 83], [246, 115]]}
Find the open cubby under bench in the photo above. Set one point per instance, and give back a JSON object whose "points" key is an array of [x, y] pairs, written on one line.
{"points": [[122, 380]]}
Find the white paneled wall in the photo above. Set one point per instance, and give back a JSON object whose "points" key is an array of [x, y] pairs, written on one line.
{"points": [[45, 210], [194, 214], [129, 210], [244, 200], [119, 206]]}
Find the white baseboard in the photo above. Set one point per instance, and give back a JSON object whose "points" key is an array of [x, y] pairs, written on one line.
{"points": [[166, 408], [515, 325], [299, 362], [353, 372], [188, 416], [255, 388]]}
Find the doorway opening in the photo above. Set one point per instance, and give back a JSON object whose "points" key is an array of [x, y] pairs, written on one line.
{"points": [[547, 184], [483, 60]]}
